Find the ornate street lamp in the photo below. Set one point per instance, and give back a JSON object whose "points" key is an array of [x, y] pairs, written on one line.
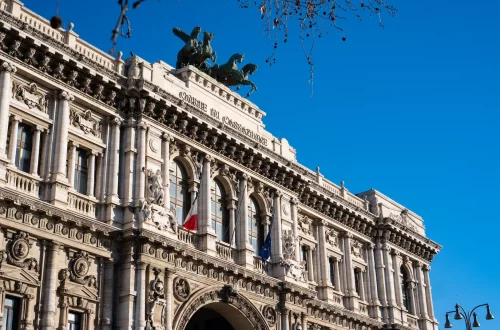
{"points": [[460, 314]]}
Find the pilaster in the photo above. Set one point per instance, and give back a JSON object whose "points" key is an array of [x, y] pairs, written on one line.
{"points": [[14, 127], [6, 70], [140, 303], [276, 237], [389, 280], [91, 173], [245, 250], [375, 311], [50, 287], [351, 295], [166, 140], [126, 289], [129, 168], [107, 295], [207, 237]]}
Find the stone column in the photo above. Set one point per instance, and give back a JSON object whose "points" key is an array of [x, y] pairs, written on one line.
{"points": [[61, 141], [310, 267], [381, 282], [6, 70], [45, 154], [99, 176], [168, 298], [276, 234], [245, 250], [140, 303], [349, 272], [126, 288], [35, 150], [207, 234], [375, 313], [397, 287], [107, 295], [323, 257], [422, 297], [389, 280], [91, 173], [14, 127], [361, 292], [129, 166], [337, 275], [71, 163], [140, 164], [165, 170], [114, 162], [428, 291], [295, 228], [50, 288], [231, 210]]}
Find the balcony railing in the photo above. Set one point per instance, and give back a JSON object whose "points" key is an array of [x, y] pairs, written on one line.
{"points": [[412, 321], [363, 307], [186, 236], [23, 182], [81, 203], [258, 265], [224, 251]]}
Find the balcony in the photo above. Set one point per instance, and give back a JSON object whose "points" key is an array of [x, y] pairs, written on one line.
{"points": [[23, 182], [363, 307], [81, 203], [224, 251], [412, 321], [186, 236]]}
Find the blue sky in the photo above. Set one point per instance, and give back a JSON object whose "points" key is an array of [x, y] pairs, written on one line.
{"points": [[411, 110]]}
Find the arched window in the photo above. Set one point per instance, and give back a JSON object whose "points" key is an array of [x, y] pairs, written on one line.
{"points": [[405, 289], [220, 223], [179, 195], [254, 228]]}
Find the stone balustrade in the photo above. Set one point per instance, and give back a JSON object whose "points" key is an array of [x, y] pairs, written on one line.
{"points": [[258, 265], [186, 236], [224, 251], [22, 181], [81, 203]]}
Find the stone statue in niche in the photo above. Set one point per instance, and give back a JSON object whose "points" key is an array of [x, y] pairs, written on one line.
{"points": [[289, 244], [155, 186]]}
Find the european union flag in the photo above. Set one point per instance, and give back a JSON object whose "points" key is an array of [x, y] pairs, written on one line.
{"points": [[265, 251]]}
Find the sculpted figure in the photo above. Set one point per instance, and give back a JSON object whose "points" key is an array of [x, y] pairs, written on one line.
{"points": [[229, 75]]}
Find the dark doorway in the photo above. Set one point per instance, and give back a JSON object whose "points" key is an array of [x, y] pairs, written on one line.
{"points": [[208, 319]]}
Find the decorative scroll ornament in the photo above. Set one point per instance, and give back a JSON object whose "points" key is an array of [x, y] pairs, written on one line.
{"points": [[289, 244], [29, 95], [18, 250], [79, 267], [269, 314], [295, 270], [182, 289], [85, 122]]}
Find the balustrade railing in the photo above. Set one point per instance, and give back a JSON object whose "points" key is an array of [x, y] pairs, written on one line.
{"points": [[95, 54], [412, 321], [81, 203], [186, 236], [41, 24], [224, 251], [23, 182], [363, 307], [258, 264]]}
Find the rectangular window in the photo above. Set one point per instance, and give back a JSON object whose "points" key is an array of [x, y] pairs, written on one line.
{"points": [[74, 321], [81, 170], [23, 147], [332, 271], [304, 255], [357, 280], [10, 313]]}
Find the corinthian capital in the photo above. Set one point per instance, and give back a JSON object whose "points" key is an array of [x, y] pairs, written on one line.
{"points": [[66, 96], [8, 67]]}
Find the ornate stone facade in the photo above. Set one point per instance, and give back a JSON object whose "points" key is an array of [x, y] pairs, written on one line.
{"points": [[120, 149]]}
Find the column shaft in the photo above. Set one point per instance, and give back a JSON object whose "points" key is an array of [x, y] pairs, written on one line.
{"points": [[140, 304], [71, 163], [61, 141], [310, 267], [295, 226], [140, 168], [6, 94], [166, 169], [107, 293], [91, 173], [14, 127], [35, 151], [323, 257], [114, 163], [168, 299], [50, 287]]}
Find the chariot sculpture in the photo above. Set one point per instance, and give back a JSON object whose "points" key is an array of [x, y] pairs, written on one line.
{"points": [[197, 54]]}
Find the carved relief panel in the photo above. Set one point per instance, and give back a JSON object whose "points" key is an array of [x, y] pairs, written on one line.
{"points": [[31, 95], [86, 121]]}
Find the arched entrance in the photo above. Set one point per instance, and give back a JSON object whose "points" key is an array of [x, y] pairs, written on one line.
{"points": [[208, 318], [219, 309]]}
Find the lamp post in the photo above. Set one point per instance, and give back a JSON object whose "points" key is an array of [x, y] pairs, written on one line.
{"points": [[460, 314]]}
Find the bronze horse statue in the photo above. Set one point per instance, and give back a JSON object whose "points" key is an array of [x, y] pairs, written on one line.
{"points": [[229, 75], [194, 52], [204, 53]]}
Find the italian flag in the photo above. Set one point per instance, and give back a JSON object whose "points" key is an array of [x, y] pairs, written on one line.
{"points": [[191, 221]]}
